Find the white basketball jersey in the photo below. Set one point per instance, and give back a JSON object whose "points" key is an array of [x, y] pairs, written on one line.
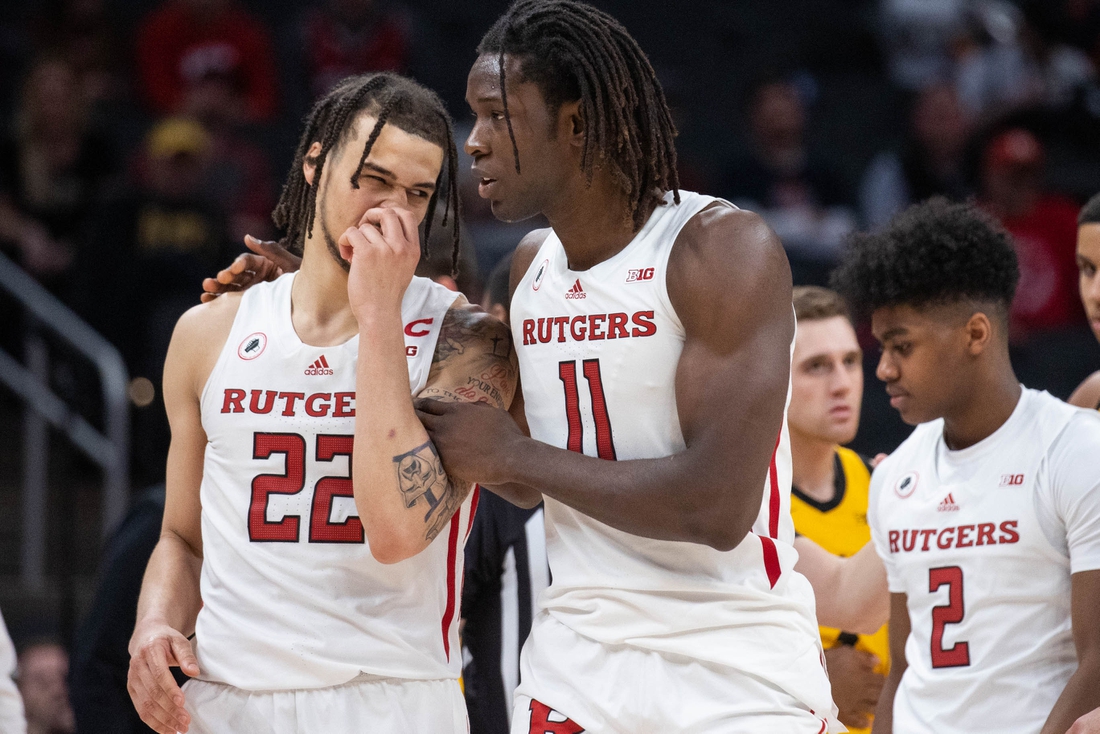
{"points": [[983, 542], [292, 597], [598, 352]]}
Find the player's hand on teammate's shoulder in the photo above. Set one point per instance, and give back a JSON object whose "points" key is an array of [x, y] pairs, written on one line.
{"points": [[383, 251], [267, 261], [154, 648], [856, 685], [473, 439]]}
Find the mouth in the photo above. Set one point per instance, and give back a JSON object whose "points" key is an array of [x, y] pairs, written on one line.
{"points": [[897, 396], [485, 186], [840, 411]]}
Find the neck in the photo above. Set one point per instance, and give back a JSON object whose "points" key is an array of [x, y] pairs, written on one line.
{"points": [[813, 466], [593, 221], [987, 406], [320, 310]]}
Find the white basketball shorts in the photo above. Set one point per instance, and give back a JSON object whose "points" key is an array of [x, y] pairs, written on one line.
{"points": [[365, 704]]}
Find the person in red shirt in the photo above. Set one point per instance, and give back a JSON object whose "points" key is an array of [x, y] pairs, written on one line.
{"points": [[1043, 228], [184, 42]]}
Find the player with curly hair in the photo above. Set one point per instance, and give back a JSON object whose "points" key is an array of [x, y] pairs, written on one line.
{"points": [[987, 517], [1087, 394]]}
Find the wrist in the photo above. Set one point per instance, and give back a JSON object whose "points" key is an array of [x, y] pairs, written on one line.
{"points": [[515, 459]]}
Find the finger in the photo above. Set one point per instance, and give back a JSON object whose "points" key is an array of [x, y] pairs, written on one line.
{"points": [[150, 705], [410, 225], [427, 420], [375, 236], [432, 407], [351, 240], [185, 656], [159, 662], [877, 460], [207, 297], [287, 261], [393, 230]]}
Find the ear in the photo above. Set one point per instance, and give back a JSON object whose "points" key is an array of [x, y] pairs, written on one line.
{"points": [[979, 333], [309, 162], [571, 122]]}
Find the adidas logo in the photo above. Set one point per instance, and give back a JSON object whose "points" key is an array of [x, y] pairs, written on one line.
{"points": [[576, 291], [948, 504], [320, 367]]}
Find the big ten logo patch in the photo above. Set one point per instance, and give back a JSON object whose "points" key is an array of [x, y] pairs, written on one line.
{"points": [[637, 276], [1012, 480]]}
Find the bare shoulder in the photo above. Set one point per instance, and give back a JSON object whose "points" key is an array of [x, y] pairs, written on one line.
{"points": [[1087, 394], [525, 252], [198, 339], [727, 262]]}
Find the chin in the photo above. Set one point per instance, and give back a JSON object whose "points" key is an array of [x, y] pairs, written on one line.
{"points": [[510, 214]]}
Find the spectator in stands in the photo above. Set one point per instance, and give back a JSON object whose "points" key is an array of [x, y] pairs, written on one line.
{"points": [[919, 38], [930, 162], [53, 169], [1021, 64], [184, 42], [82, 33], [1087, 394], [1044, 228], [147, 255], [12, 720], [799, 194], [345, 37], [42, 670], [830, 483]]}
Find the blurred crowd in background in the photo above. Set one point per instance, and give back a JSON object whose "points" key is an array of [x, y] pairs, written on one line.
{"points": [[140, 140]]}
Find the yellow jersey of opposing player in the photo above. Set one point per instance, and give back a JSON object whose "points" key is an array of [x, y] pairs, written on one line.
{"points": [[840, 527]]}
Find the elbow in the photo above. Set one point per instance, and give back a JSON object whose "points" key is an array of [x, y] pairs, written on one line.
{"points": [[389, 546], [719, 530]]}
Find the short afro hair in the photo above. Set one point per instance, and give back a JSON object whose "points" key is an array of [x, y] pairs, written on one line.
{"points": [[1090, 212], [934, 253]]}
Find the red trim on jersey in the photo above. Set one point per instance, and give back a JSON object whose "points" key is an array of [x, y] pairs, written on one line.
{"points": [[771, 559], [773, 503], [824, 726], [449, 612], [474, 497]]}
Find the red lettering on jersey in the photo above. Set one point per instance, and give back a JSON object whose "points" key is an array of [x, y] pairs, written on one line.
{"points": [[232, 402], [644, 320], [290, 398], [950, 538], [595, 324], [541, 723], [529, 332], [985, 534], [411, 331], [582, 322], [544, 335], [561, 321], [927, 535], [894, 535], [269, 402], [311, 404], [907, 544], [411, 351], [341, 407], [963, 541], [1012, 480], [616, 327], [1008, 527]]}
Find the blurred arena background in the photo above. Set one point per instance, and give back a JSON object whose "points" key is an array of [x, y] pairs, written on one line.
{"points": [[139, 141]]}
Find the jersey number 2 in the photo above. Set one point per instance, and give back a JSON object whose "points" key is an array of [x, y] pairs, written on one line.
{"points": [[292, 481], [567, 373], [958, 655]]}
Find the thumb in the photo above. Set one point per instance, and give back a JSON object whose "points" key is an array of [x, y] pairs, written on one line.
{"points": [[274, 252], [185, 656]]}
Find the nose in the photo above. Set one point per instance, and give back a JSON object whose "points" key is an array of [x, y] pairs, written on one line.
{"points": [[475, 145], [886, 370], [397, 197], [1091, 291], [842, 379]]}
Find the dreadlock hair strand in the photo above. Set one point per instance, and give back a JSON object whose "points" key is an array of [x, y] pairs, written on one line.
{"points": [[574, 51], [391, 99]]}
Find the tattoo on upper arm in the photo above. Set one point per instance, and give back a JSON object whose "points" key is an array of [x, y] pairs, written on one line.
{"points": [[420, 476], [491, 374]]}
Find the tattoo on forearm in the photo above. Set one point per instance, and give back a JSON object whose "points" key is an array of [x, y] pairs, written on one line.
{"points": [[492, 375], [421, 477]]}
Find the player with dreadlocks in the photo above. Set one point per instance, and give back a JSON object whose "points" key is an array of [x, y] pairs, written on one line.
{"points": [[312, 542], [654, 330]]}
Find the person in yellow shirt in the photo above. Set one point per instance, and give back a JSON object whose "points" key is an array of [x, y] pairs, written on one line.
{"points": [[830, 483]]}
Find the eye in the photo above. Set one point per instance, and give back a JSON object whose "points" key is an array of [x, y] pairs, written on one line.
{"points": [[902, 349], [419, 194]]}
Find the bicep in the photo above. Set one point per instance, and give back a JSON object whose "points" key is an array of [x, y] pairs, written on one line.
{"points": [[899, 633], [1086, 622], [474, 361]]}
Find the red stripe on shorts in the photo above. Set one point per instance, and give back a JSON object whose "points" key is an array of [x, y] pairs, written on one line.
{"points": [[473, 509], [771, 559], [449, 612]]}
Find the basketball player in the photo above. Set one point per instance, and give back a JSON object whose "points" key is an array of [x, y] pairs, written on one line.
{"points": [[988, 516], [1087, 395], [830, 482], [654, 333], [323, 602]]}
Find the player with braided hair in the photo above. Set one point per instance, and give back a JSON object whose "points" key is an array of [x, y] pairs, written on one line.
{"points": [[653, 328], [312, 539]]}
